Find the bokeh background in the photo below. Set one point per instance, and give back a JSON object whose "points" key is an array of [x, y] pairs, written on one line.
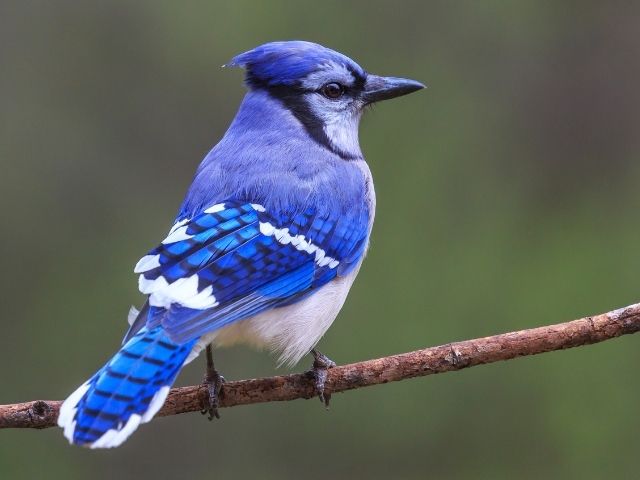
{"points": [[507, 198]]}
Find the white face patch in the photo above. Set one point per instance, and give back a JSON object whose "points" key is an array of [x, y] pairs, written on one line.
{"points": [[342, 132], [300, 243], [339, 117]]}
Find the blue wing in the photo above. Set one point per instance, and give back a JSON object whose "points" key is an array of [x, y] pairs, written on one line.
{"points": [[230, 262], [237, 259]]}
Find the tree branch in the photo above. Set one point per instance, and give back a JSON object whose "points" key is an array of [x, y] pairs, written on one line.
{"points": [[444, 358]]}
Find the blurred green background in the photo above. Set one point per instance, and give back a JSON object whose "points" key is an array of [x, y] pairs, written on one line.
{"points": [[507, 198]]}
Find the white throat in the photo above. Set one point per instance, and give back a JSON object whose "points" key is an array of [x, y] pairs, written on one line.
{"points": [[342, 133]]}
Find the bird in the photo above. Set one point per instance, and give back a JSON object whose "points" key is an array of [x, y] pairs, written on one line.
{"points": [[265, 246]]}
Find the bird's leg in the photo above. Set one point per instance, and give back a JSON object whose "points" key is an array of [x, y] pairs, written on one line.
{"points": [[321, 364], [213, 381]]}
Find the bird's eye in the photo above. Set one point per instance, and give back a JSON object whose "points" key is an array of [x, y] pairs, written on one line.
{"points": [[332, 90]]}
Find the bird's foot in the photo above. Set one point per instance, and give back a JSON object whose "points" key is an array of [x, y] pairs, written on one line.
{"points": [[321, 365], [213, 382]]}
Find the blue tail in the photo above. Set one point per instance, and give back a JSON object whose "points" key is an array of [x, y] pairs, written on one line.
{"points": [[127, 391]]}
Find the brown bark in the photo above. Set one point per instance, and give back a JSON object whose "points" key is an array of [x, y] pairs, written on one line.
{"points": [[444, 358]]}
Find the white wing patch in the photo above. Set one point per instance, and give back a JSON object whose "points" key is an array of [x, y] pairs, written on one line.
{"points": [[300, 242], [177, 235], [218, 207], [146, 263], [183, 291], [178, 225]]}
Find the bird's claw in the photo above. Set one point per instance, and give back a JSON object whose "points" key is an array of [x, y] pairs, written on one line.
{"points": [[321, 365], [213, 382]]}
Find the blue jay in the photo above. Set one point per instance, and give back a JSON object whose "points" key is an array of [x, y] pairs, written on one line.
{"points": [[265, 246]]}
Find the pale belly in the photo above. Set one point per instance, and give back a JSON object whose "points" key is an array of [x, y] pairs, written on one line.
{"points": [[290, 331]]}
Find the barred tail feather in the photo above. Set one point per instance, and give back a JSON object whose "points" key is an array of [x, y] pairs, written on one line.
{"points": [[128, 391]]}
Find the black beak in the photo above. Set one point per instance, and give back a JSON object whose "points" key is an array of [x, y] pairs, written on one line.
{"points": [[383, 88]]}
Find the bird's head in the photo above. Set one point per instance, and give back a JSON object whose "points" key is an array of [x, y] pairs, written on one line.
{"points": [[324, 89]]}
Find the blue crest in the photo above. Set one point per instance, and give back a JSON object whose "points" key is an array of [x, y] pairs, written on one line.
{"points": [[287, 63]]}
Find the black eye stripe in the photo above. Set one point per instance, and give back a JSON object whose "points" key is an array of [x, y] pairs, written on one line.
{"points": [[295, 102]]}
